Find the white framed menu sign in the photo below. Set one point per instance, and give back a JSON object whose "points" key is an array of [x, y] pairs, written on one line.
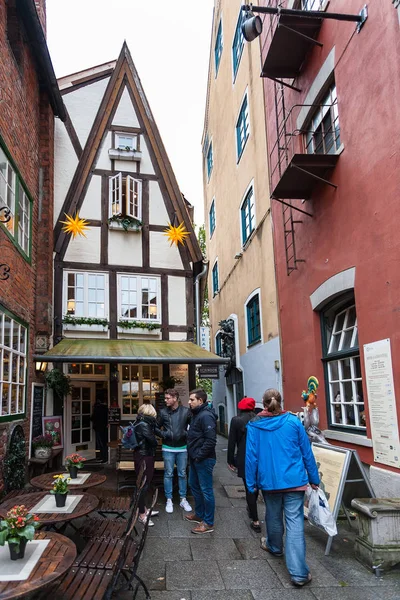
{"points": [[382, 403]]}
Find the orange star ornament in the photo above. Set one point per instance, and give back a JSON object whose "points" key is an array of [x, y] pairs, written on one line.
{"points": [[75, 225], [176, 235]]}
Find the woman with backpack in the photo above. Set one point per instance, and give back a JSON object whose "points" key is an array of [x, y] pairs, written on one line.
{"points": [[145, 427], [237, 439]]}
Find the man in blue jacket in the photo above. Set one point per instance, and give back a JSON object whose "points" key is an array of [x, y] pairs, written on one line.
{"points": [[280, 462], [201, 441]]}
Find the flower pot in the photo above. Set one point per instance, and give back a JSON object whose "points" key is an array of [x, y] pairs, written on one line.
{"points": [[60, 499], [42, 452], [73, 472], [20, 553]]}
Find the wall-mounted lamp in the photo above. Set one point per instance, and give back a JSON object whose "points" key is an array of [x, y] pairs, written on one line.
{"points": [[238, 255], [40, 366], [277, 365], [251, 26]]}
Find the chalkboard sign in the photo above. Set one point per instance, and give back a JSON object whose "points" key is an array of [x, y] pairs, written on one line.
{"points": [[160, 401], [114, 414], [37, 409]]}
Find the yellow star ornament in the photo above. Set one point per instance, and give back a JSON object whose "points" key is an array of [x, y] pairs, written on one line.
{"points": [[75, 225], [176, 235]]}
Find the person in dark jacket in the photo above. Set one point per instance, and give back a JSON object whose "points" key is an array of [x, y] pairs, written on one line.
{"points": [[145, 429], [280, 462], [237, 439], [99, 420], [173, 421], [201, 441]]}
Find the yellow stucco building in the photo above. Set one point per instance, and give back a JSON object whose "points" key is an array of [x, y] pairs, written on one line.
{"points": [[237, 216]]}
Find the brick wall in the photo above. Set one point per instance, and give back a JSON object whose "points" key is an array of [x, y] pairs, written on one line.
{"points": [[26, 126]]}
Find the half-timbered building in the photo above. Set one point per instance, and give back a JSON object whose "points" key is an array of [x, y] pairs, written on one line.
{"points": [[123, 295]]}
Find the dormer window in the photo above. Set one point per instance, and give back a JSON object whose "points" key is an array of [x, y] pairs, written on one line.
{"points": [[126, 142], [125, 197], [125, 146]]}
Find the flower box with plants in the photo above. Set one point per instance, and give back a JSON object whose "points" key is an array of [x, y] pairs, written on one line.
{"points": [[60, 489], [124, 222], [125, 153], [17, 529], [85, 323], [131, 326], [42, 445], [73, 462]]}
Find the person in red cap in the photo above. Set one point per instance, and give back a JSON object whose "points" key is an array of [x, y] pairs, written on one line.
{"points": [[237, 439]]}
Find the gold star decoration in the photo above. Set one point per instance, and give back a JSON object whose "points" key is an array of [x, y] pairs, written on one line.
{"points": [[176, 235], [75, 225]]}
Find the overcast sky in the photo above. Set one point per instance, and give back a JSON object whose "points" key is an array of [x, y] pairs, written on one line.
{"points": [[169, 43]]}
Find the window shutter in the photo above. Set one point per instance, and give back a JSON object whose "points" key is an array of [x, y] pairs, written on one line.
{"points": [[115, 194], [134, 197]]}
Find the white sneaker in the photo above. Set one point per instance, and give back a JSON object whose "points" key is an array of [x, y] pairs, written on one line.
{"points": [[185, 505], [169, 507], [142, 520]]}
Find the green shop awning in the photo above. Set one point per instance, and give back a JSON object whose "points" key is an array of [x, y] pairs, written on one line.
{"points": [[129, 351]]}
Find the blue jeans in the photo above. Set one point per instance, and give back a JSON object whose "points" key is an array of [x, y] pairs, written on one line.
{"points": [[201, 484], [170, 458], [290, 504]]}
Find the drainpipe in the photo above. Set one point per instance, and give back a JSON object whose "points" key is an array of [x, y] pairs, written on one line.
{"points": [[197, 299]]}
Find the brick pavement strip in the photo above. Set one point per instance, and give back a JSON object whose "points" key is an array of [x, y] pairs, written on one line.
{"points": [[229, 564]]}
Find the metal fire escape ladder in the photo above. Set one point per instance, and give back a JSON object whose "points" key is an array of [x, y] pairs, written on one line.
{"points": [[283, 160]]}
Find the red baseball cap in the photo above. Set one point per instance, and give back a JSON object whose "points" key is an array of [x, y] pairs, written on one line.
{"points": [[247, 404]]}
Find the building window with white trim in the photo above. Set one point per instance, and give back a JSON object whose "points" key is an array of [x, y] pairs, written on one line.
{"points": [[247, 213], [126, 141], [139, 385], [242, 128], [86, 294], [219, 45], [212, 218], [322, 134], [253, 320], [139, 297], [238, 45], [342, 366], [215, 279], [13, 352], [14, 197], [125, 195]]}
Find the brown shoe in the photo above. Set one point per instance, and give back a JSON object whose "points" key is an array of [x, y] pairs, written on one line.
{"points": [[203, 528], [193, 518]]}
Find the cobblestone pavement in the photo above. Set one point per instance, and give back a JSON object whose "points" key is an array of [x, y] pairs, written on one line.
{"points": [[229, 564]]}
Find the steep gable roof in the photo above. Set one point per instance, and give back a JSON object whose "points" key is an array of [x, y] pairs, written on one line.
{"points": [[124, 74]]}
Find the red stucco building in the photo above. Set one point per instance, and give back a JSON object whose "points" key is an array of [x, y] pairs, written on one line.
{"points": [[29, 100], [333, 117]]}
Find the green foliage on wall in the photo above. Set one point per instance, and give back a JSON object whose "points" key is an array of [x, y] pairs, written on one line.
{"points": [[138, 324]]}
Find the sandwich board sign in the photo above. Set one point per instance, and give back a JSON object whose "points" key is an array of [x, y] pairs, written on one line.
{"points": [[342, 478]]}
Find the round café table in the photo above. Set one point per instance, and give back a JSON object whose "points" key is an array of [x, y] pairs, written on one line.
{"points": [[57, 558], [86, 505], [46, 481]]}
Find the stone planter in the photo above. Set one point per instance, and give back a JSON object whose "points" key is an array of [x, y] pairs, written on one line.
{"points": [[378, 540], [20, 553], [60, 500], [42, 452]]}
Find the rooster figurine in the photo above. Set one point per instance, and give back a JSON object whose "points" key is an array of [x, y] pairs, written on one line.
{"points": [[310, 396], [310, 415]]}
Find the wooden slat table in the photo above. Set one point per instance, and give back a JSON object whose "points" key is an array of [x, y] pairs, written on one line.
{"points": [[46, 481], [56, 559], [84, 507]]}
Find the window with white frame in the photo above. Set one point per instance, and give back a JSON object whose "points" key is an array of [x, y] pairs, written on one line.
{"points": [[322, 134], [313, 4], [13, 352], [247, 212], [125, 196], [219, 45], [343, 368], [215, 279], [253, 320], [86, 294], [14, 197], [212, 218], [242, 127], [139, 385], [238, 44], [139, 297], [126, 141]]}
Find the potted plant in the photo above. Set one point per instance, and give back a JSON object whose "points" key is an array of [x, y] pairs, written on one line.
{"points": [[58, 382], [16, 529], [42, 445], [169, 382], [60, 489], [73, 462]]}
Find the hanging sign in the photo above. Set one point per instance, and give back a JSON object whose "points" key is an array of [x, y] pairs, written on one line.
{"points": [[205, 338], [382, 403], [209, 372]]}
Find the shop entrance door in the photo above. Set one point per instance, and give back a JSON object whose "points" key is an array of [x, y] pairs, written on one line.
{"points": [[80, 436]]}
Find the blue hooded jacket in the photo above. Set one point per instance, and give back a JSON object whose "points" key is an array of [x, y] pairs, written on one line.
{"points": [[278, 454]]}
